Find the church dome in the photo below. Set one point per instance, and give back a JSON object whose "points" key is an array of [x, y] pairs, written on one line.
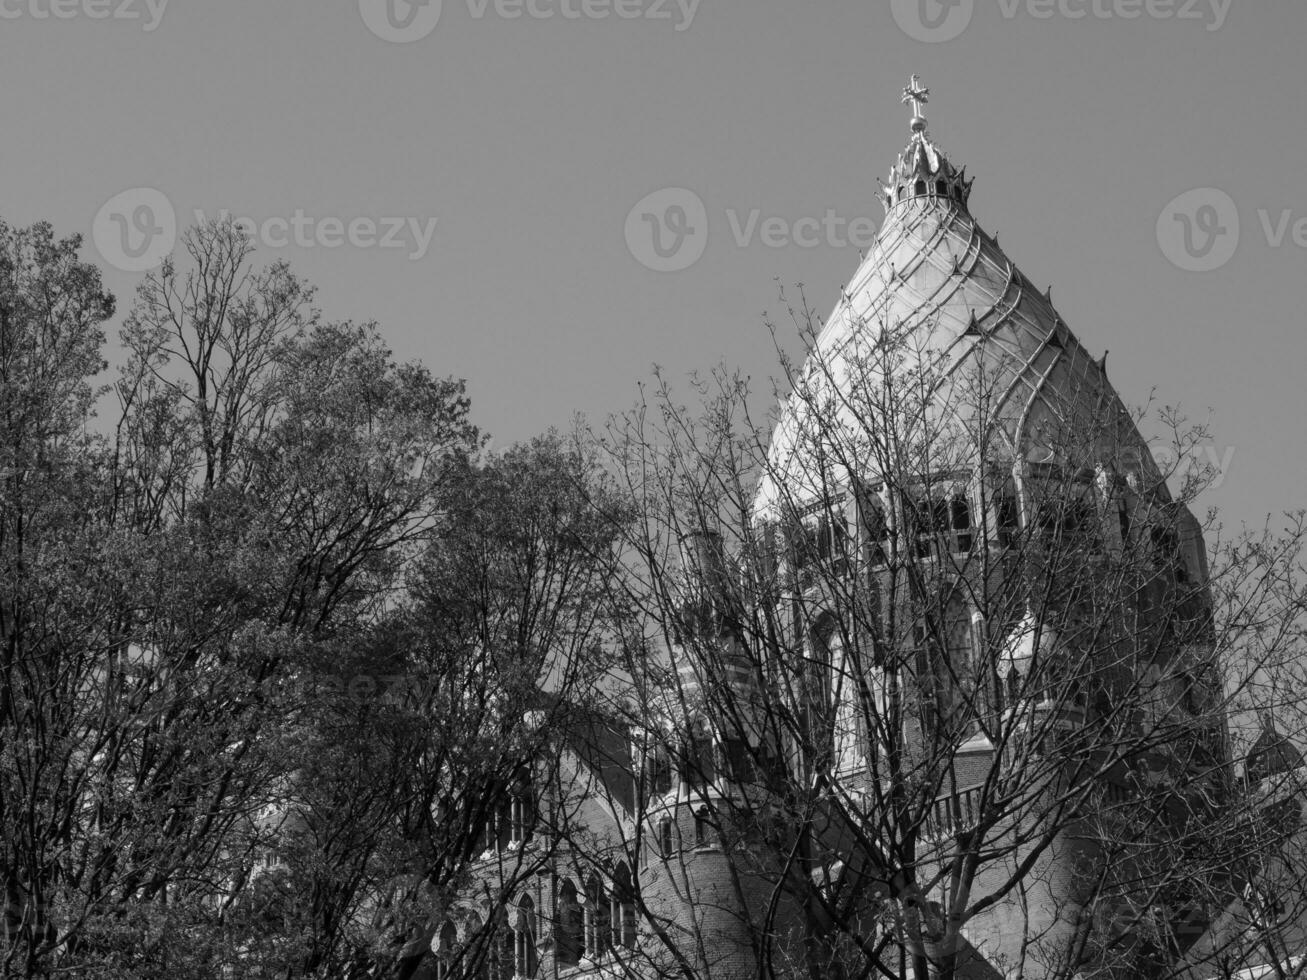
{"points": [[937, 307]]}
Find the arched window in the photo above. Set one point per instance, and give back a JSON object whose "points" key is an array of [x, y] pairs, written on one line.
{"points": [[875, 525], [658, 770], [666, 843], [480, 949], [525, 959], [503, 949], [821, 672], [960, 522], [569, 927], [1014, 687], [700, 768], [446, 949], [521, 809], [622, 909], [920, 188], [941, 188], [737, 760], [702, 828], [596, 919], [499, 820]]}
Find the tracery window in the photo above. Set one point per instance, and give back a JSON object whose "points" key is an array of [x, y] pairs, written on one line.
{"points": [[596, 919], [525, 959], [702, 827], [446, 950], [938, 521], [875, 525], [699, 767], [523, 811], [569, 927], [658, 770], [622, 914], [503, 950], [819, 540], [666, 837]]}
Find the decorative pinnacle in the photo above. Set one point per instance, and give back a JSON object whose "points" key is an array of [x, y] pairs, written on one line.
{"points": [[918, 96]]}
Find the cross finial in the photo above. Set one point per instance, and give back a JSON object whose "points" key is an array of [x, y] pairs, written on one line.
{"points": [[918, 97]]}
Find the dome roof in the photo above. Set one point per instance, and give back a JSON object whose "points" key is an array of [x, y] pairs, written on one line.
{"points": [[938, 303]]}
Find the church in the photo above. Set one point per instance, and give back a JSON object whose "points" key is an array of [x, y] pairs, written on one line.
{"points": [[944, 703]]}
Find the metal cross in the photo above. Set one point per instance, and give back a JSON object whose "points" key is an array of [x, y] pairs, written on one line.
{"points": [[915, 94]]}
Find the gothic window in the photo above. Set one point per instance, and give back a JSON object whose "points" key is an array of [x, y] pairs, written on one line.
{"points": [[666, 839], [1007, 518], [1066, 514], [478, 957], [521, 809], [818, 691], [959, 511], [941, 188], [569, 927], [622, 909], [938, 518], [596, 919], [738, 760], [875, 526], [503, 950], [658, 768], [702, 828], [820, 540], [446, 950], [525, 959], [1014, 692], [920, 188], [699, 764]]}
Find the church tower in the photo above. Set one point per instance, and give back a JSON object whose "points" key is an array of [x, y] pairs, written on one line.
{"points": [[1039, 606]]}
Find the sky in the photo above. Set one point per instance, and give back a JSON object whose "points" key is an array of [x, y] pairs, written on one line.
{"points": [[485, 178]]}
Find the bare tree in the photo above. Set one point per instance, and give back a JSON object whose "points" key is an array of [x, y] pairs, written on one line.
{"points": [[943, 679], [171, 589]]}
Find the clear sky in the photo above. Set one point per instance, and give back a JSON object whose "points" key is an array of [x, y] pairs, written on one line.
{"points": [[529, 139]]}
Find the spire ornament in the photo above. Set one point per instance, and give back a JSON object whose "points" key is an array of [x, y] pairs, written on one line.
{"points": [[921, 172], [918, 97]]}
